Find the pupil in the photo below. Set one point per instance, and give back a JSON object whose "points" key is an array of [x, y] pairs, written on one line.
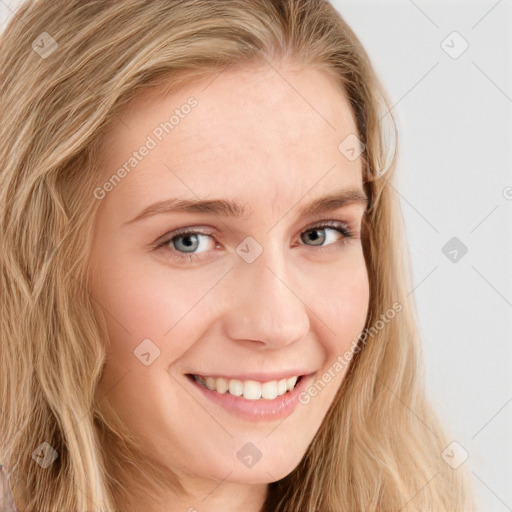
{"points": [[314, 236], [188, 241]]}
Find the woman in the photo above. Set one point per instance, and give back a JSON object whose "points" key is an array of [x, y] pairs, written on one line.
{"points": [[205, 303]]}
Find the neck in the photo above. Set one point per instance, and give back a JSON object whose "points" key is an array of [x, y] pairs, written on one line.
{"points": [[203, 495]]}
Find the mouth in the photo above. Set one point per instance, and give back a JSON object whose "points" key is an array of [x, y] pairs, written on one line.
{"points": [[248, 389], [254, 397]]}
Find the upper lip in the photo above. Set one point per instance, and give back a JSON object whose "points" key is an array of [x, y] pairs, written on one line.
{"points": [[257, 376]]}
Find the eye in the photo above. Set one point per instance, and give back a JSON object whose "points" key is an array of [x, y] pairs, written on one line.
{"points": [[190, 244], [319, 235]]}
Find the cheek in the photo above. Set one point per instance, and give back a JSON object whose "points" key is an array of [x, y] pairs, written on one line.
{"points": [[339, 297], [341, 305], [141, 302], [152, 311], [149, 307]]}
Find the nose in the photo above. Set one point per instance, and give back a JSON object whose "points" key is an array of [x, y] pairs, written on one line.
{"points": [[265, 303]]}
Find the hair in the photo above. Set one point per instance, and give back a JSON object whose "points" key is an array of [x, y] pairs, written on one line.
{"points": [[379, 446]]}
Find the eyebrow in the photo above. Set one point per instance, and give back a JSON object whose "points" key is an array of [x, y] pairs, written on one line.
{"points": [[235, 209]]}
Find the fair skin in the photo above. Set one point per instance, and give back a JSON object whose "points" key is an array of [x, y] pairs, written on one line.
{"points": [[273, 148]]}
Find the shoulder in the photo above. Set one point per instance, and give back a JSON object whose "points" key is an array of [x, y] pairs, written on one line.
{"points": [[6, 498]]}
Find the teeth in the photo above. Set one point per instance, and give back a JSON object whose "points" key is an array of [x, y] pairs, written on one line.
{"points": [[210, 383], [236, 387], [269, 390], [249, 389], [282, 387], [290, 382], [252, 390], [222, 385]]}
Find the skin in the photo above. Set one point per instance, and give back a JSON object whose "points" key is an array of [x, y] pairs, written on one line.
{"points": [[268, 140]]}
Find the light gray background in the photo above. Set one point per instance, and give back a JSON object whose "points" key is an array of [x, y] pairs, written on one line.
{"points": [[454, 180]]}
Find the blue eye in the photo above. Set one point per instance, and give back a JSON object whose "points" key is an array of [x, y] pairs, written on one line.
{"points": [[323, 237], [186, 243]]}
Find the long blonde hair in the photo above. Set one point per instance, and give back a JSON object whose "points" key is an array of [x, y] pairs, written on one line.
{"points": [[67, 69]]}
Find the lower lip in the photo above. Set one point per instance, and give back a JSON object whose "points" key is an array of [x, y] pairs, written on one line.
{"points": [[257, 410]]}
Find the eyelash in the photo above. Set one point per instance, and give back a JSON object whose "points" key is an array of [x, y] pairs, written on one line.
{"points": [[342, 228]]}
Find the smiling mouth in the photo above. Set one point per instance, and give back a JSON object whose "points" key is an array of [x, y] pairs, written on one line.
{"points": [[249, 389]]}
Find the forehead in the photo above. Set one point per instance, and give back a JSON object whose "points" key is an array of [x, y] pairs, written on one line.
{"points": [[260, 133]]}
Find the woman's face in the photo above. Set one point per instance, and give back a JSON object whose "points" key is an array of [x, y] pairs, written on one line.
{"points": [[250, 300]]}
